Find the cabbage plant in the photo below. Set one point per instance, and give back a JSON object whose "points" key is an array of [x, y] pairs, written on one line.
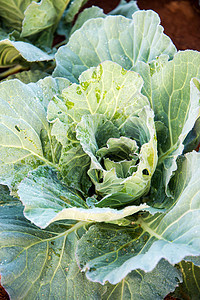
{"points": [[99, 177]]}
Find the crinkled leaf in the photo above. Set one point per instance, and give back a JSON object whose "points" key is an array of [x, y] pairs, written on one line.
{"points": [[39, 263], [139, 285], [119, 171], [107, 89], [190, 288], [113, 38], [147, 239], [12, 53], [173, 95], [47, 200], [125, 9], [25, 135], [93, 132]]}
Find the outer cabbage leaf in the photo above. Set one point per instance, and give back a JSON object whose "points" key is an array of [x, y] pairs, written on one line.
{"points": [[44, 264], [190, 288], [46, 200], [173, 91], [16, 52], [113, 38], [175, 97], [111, 91], [25, 139], [139, 285], [39, 263], [175, 100], [172, 235]]}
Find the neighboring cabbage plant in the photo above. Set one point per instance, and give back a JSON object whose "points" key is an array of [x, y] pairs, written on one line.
{"points": [[104, 183], [28, 30]]}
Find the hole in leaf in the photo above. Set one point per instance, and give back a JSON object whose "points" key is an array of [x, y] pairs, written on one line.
{"points": [[91, 190], [145, 172], [17, 128], [137, 161]]}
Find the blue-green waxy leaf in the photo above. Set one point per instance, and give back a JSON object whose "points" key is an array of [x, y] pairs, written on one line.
{"points": [[113, 38], [175, 97], [147, 239], [190, 287], [173, 91], [139, 285], [41, 264], [43, 191], [25, 135], [47, 199], [175, 101]]}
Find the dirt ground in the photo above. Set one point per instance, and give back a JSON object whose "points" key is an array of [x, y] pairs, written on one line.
{"points": [[180, 19]]}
